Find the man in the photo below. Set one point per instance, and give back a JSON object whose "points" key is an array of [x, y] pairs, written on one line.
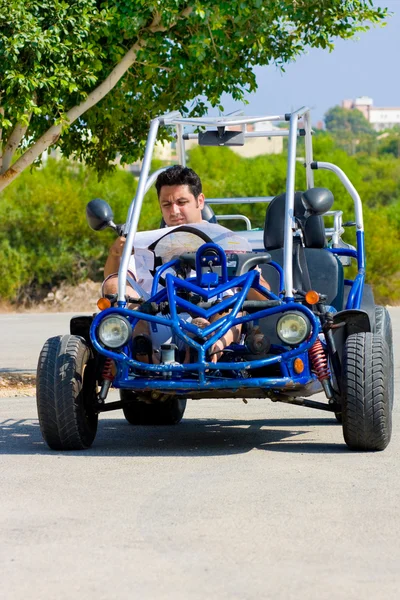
{"points": [[181, 200]]}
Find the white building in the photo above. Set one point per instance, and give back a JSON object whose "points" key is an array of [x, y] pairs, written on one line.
{"points": [[379, 117]]}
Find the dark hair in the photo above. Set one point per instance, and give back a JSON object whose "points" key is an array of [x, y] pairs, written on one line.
{"points": [[178, 175]]}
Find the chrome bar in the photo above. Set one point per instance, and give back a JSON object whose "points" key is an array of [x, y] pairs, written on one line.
{"points": [[220, 121], [309, 150], [247, 134], [180, 145], [246, 200], [349, 187], [132, 224], [290, 224], [152, 178], [337, 230], [235, 218], [167, 117]]}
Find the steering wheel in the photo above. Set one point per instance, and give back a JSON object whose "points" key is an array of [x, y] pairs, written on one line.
{"points": [[176, 244]]}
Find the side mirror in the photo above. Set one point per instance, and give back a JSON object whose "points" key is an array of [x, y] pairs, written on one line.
{"points": [[99, 215], [317, 201]]}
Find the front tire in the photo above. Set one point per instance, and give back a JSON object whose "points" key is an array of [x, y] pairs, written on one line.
{"points": [[66, 387], [169, 412], [366, 402]]}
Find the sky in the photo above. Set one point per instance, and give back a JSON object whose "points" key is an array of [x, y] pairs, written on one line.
{"points": [[367, 65]]}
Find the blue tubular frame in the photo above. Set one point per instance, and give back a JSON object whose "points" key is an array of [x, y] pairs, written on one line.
{"points": [[357, 286], [278, 267], [203, 374]]}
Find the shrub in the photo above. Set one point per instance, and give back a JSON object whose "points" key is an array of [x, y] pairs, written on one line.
{"points": [[44, 237]]}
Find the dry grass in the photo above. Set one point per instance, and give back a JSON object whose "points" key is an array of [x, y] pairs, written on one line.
{"points": [[17, 384]]}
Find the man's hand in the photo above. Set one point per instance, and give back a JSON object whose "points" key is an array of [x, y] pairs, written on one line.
{"points": [[114, 257], [117, 248]]}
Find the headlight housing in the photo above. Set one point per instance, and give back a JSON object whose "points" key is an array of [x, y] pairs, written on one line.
{"points": [[114, 331], [293, 328]]}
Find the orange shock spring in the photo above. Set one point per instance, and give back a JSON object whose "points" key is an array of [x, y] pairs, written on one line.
{"points": [[108, 370], [318, 360]]}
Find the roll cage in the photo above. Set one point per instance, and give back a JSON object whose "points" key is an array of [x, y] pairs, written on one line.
{"points": [[221, 125]]}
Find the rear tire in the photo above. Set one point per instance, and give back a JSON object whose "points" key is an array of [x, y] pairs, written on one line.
{"points": [[169, 412], [383, 324], [366, 402], [66, 387], [383, 327]]}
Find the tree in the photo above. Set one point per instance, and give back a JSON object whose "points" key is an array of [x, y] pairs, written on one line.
{"points": [[344, 120], [87, 75], [389, 142]]}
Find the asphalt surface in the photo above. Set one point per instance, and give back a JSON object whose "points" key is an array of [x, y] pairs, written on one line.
{"points": [[238, 501], [25, 334]]}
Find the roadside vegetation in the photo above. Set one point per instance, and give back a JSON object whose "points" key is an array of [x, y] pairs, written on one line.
{"points": [[44, 238]]}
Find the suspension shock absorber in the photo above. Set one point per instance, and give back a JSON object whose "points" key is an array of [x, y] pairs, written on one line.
{"points": [[319, 363], [108, 376]]}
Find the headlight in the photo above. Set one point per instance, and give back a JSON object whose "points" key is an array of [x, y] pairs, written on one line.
{"points": [[293, 328], [114, 331]]}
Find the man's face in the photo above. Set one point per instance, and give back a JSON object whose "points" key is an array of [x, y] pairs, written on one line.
{"points": [[179, 206]]}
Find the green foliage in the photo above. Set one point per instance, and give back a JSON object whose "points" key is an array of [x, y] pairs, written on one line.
{"points": [[343, 120], [389, 142], [53, 54], [44, 237], [352, 132], [377, 179], [383, 254], [50, 58]]}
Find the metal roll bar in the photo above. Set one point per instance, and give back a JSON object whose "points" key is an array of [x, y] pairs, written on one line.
{"points": [[176, 120]]}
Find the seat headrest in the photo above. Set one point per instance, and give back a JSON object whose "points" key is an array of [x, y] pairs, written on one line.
{"points": [[208, 214], [312, 226], [275, 220]]}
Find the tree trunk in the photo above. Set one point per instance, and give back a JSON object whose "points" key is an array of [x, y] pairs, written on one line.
{"points": [[52, 134]]}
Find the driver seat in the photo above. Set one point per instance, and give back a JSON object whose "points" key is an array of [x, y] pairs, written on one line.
{"points": [[207, 214], [324, 268]]}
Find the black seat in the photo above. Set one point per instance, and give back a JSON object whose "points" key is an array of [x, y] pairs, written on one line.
{"points": [[324, 269], [312, 226], [207, 214]]}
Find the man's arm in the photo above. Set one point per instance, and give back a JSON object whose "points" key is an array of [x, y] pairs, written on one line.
{"points": [[114, 257], [254, 294]]}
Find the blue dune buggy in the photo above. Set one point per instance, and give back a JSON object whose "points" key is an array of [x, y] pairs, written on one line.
{"points": [[321, 332]]}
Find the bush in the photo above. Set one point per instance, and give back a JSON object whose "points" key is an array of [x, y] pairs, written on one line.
{"points": [[44, 238]]}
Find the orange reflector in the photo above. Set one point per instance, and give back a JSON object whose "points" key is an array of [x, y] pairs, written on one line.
{"points": [[298, 365], [103, 303], [312, 297]]}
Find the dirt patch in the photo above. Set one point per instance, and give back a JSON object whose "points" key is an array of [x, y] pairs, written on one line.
{"points": [[64, 298], [17, 384]]}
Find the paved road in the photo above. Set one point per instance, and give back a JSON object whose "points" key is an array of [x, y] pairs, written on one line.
{"points": [[239, 501], [25, 334]]}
